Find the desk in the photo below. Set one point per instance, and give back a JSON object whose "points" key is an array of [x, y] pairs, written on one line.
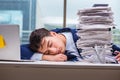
{"points": [[44, 70]]}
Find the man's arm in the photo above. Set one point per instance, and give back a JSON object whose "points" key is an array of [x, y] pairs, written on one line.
{"points": [[117, 55], [58, 57]]}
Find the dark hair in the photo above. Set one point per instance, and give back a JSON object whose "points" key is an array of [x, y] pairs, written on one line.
{"points": [[36, 38]]}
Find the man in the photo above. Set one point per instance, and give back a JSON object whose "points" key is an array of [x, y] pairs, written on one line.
{"points": [[55, 45]]}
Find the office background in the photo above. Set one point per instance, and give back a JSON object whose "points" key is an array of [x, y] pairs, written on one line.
{"points": [[32, 14]]}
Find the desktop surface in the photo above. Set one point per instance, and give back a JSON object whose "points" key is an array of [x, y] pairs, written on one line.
{"points": [[46, 70]]}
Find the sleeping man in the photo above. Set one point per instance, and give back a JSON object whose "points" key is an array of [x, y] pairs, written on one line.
{"points": [[55, 45]]}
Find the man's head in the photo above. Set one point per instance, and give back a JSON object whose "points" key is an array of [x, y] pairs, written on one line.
{"points": [[47, 42]]}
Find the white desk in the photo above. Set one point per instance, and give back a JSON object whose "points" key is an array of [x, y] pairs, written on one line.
{"points": [[43, 70]]}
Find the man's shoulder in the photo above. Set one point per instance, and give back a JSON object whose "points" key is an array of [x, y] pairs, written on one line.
{"points": [[73, 31]]}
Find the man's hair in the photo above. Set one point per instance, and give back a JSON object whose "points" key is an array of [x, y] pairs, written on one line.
{"points": [[36, 38]]}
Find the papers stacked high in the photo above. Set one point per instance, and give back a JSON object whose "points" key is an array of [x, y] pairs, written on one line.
{"points": [[94, 30]]}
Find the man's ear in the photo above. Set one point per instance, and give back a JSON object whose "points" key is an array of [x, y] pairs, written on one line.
{"points": [[53, 33]]}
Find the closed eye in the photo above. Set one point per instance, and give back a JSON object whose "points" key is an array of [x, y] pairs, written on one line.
{"points": [[50, 44], [46, 52]]}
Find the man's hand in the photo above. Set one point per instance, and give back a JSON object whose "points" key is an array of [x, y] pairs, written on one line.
{"points": [[118, 55], [57, 57]]}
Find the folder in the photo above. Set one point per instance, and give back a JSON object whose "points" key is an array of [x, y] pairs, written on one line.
{"points": [[2, 42]]}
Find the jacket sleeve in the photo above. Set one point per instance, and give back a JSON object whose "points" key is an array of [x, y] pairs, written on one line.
{"points": [[36, 57], [26, 52]]}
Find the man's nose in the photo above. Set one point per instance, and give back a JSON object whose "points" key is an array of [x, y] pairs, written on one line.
{"points": [[53, 50]]}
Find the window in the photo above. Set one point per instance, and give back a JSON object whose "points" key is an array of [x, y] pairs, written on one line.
{"points": [[49, 14], [21, 12], [32, 14]]}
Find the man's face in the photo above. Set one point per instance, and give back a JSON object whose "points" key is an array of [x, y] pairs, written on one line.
{"points": [[54, 44]]}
